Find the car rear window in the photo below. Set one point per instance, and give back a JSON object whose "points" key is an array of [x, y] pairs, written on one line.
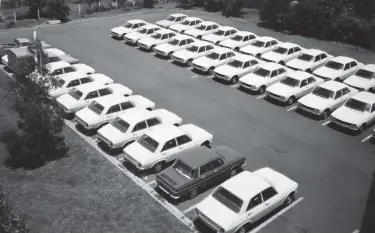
{"points": [[148, 143], [228, 199], [75, 93], [96, 107], [120, 124]]}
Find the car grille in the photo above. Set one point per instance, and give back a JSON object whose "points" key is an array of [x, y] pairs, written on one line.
{"points": [[306, 108], [103, 139], [142, 45], [247, 85], [274, 96], [177, 59], [159, 52], [209, 222], [129, 40], [220, 75], [340, 122], [114, 34], [80, 121], [131, 159], [198, 67]]}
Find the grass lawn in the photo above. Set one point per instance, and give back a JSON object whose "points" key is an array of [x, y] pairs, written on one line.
{"points": [[81, 193]]}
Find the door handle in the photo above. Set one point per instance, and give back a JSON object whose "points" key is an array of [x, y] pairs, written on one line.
{"points": [[267, 204]]}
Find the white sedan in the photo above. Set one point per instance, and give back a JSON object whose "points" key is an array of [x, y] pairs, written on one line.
{"points": [[104, 109], [171, 20], [61, 67], [263, 76], [237, 67], [293, 86], [239, 40], [259, 46], [363, 79], [357, 113], [82, 95], [217, 57], [338, 68], [145, 31], [129, 126], [205, 28], [193, 51], [188, 23], [326, 98], [309, 60], [282, 53], [154, 149], [128, 27], [223, 33], [159, 37], [244, 199], [178, 42], [68, 81]]}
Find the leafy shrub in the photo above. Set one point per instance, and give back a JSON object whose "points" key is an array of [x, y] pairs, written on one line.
{"points": [[212, 5], [231, 7], [148, 3], [272, 11], [57, 9]]}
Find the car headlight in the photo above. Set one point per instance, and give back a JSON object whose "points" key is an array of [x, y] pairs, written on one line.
{"points": [[222, 230], [282, 98], [332, 119], [353, 126], [317, 111]]}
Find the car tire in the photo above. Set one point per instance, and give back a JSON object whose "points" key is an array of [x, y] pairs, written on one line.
{"points": [[237, 49], [233, 172], [257, 56], [192, 193], [242, 229], [289, 200], [190, 62], [199, 37], [262, 89], [206, 144], [282, 63], [309, 71], [362, 128], [182, 32], [149, 109], [177, 124], [123, 37], [152, 48], [234, 80], [291, 100], [337, 79], [325, 113], [170, 55], [211, 70], [158, 167]]}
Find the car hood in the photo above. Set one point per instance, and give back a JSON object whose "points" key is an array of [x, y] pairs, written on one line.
{"points": [[282, 89], [252, 79], [229, 43], [112, 134], [298, 64], [183, 54], [193, 32], [227, 70], [205, 62], [140, 154], [212, 38], [272, 56], [120, 30], [134, 35], [174, 178], [148, 41], [359, 82], [179, 27], [166, 47], [164, 23], [67, 101], [315, 101], [252, 49], [88, 116], [327, 72], [348, 115], [217, 212]]}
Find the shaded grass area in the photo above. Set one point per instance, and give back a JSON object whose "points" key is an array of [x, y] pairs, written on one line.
{"points": [[81, 193]]}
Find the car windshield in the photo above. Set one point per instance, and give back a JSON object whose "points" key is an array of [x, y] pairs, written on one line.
{"points": [[324, 93], [184, 169], [258, 43], [171, 18], [148, 143], [365, 74], [193, 48], [201, 27], [213, 56], [75, 93], [262, 72], [280, 50], [143, 31], [236, 64], [358, 105], [53, 59], [120, 124], [96, 107], [185, 23], [290, 82], [128, 25], [174, 42], [334, 65], [60, 82], [220, 33], [157, 36], [237, 38], [305, 57], [228, 199]]}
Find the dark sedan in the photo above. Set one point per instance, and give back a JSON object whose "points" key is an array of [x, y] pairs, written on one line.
{"points": [[197, 169]]}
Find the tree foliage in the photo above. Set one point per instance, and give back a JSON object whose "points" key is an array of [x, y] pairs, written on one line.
{"points": [[10, 222], [57, 9], [231, 7], [34, 5]]}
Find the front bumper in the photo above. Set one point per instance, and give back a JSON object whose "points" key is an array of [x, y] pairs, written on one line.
{"points": [[201, 68], [144, 46], [277, 97], [344, 124], [221, 76], [249, 87], [308, 109], [167, 192], [178, 60], [130, 41], [161, 53], [116, 35]]}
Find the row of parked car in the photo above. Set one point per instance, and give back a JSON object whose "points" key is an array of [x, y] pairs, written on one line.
{"points": [[323, 85]]}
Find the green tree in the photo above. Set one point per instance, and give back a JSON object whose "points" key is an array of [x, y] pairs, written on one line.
{"points": [[273, 10], [231, 7], [365, 8], [34, 5], [57, 9]]}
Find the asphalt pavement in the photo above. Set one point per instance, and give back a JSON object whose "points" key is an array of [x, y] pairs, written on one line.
{"points": [[333, 169]]}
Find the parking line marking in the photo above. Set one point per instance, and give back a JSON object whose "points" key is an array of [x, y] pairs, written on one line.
{"points": [[356, 231], [151, 183], [210, 76], [265, 223], [292, 108], [366, 138], [189, 68], [190, 208], [195, 76], [170, 61], [262, 96], [235, 85], [326, 123]]}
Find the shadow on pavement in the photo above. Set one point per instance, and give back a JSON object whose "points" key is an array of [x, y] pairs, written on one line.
{"points": [[368, 221]]}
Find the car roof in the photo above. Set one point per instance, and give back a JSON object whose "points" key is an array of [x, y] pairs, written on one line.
{"points": [[197, 156], [369, 67], [164, 31], [313, 52], [58, 65], [150, 26], [221, 49], [244, 33], [288, 45], [270, 65], [208, 23], [226, 28], [265, 38], [84, 88], [177, 15], [243, 57], [200, 43], [182, 37], [109, 100], [164, 132], [246, 185], [333, 85], [73, 75], [365, 96], [299, 75], [136, 21], [342, 59], [135, 115], [192, 18]]}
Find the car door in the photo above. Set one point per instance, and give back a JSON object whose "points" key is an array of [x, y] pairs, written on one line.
{"points": [[184, 142], [57, 72], [317, 62], [255, 209], [271, 199], [353, 68], [323, 60], [272, 79], [112, 112], [139, 129], [222, 59], [267, 47], [339, 100], [169, 150], [229, 56], [245, 69], [205, 175], [182, 44], [345, 73], [296, 53], [209, 48], [304, 88], [312, 82], [188, 42]]}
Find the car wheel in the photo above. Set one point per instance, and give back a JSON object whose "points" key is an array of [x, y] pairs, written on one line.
{"points": [[262, 89], [289, 200], [291, 100], [152, 48], [170, 55], [242, 229], [158, 167], [123, 37], [362, 128], [193, 193], [308, 71], [372, 90], [337, 79], [199, 37], [206, 144], [149, 109], [211, 70], [237, 49], [190, 62], [282, 63], [258, 56], [326, 113], [182, 32], [234, 80], [233, 172]]}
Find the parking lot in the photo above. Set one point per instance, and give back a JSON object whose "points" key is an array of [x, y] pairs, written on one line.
{"points": [[333, 169]]}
